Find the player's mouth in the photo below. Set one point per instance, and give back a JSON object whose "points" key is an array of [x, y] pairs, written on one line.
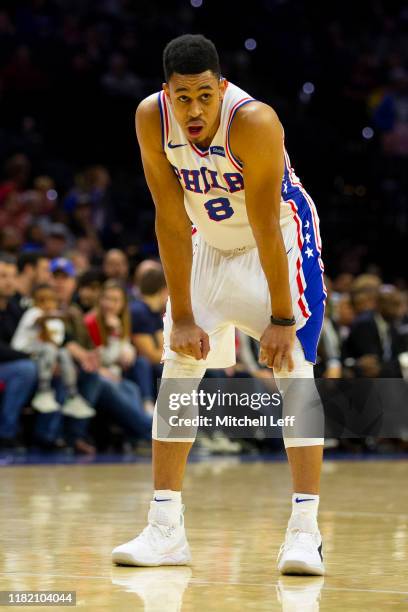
{"points": [[195, 130]]}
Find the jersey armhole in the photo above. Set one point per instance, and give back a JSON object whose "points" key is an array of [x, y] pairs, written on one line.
{"points": [[233, 159]]}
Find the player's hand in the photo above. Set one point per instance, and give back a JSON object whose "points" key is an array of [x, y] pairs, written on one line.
{"points": [[187, 338], [277, 343]]}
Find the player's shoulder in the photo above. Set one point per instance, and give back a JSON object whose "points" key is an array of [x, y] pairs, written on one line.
{"points": [[148, 121], [255, 126], [256, 115], [149, 107]]}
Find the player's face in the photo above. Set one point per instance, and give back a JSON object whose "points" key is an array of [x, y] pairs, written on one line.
{"points": [[196, 102]]}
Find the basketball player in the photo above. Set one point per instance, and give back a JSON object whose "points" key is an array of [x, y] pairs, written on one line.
{"points": [[214, 156]]}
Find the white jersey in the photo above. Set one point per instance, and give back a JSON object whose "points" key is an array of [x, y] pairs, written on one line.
{"points": [[212, 179]]}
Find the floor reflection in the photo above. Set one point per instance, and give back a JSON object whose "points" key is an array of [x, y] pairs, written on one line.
{"points": [[297, 594], [159, 588]]}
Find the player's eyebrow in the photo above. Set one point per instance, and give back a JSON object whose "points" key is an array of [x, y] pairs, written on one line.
{"points": [[186, 88]]}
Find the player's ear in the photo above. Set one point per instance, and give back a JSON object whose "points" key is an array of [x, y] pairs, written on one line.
{"points": [[166, 90], [223, 87]]}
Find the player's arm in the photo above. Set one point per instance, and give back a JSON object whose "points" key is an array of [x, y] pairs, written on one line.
{"points": [[173, 230], [257, 140]]}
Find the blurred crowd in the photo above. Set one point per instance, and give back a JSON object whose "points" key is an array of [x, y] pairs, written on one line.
{"points": [[81, 286], [73, 71], [81, 348]]}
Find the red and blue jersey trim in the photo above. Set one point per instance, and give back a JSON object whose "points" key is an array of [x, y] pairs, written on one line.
{"points": [[200, 152]]}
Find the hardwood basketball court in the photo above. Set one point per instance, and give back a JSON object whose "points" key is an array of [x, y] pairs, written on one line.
{"points": [[60, 522]]}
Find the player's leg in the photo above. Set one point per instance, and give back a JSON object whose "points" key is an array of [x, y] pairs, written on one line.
{"points": [[163, 541], [305, 465], [301, 552], [169, 464]]}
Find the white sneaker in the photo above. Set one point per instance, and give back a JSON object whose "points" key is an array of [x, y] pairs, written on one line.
{"points": [[78, 408], [162, 542], [44, 401], [301, 552]]}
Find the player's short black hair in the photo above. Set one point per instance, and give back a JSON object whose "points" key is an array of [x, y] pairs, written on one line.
{"points": [[190, 54]]}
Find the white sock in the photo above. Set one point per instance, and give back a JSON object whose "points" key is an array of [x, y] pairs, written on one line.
{"points": [[167, 495], [304, 508]]}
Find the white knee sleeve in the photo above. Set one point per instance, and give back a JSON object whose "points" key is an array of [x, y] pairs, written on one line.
{"points": [[294, 442], [176, 369], [302, 369]]}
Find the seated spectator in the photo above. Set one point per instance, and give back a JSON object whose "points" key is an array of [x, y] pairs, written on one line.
{"points": [[34, 238], [89, 289], [10, 240], [80, 260], [41, 334], [147, 314], [344, 315], [376, 342], [81, 224], [18, 374], [118, 402], [109, 328], [33, 269], [116, 266], [364, 300], [328, 364], [58, 240], [146, 264]]}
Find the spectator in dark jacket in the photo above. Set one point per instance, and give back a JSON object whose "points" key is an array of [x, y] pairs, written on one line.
{"points": [[33, 269], [18, 375], [376, 341]]}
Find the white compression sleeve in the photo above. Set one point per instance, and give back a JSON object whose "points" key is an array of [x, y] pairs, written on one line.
{"points": [[303, 370], [174, 369]]}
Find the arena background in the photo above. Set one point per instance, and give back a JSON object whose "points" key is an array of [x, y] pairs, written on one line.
{"points": [[72, 73], [75, 211]]}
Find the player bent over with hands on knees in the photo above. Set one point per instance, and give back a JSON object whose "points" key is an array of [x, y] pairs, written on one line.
{"points": [[214, 156]]}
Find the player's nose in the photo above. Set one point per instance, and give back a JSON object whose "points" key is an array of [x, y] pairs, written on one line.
{"points": [[195, 110]]}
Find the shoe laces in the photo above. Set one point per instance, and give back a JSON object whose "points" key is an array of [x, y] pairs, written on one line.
{"points": [[301, 538], [159, 527], [154, 533]]}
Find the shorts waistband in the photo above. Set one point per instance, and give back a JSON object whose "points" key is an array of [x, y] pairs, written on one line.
{"points": [[237, 251]]}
